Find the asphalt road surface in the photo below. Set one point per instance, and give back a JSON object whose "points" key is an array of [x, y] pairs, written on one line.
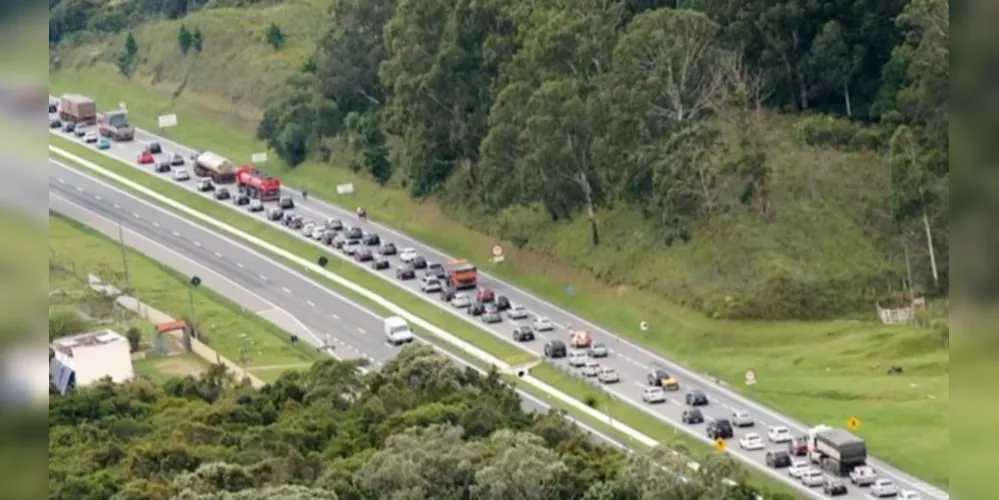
{"points": [[259, 285], [631, 361]]}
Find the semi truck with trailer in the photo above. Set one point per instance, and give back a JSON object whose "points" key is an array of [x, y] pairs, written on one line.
{"points": [[114, 125], [218, 168], [78, 109], [461, 274], [257, 184], [836, 451]]}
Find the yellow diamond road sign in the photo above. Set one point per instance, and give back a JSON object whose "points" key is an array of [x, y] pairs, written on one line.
{"points": [[720, 444], [853, 423]]}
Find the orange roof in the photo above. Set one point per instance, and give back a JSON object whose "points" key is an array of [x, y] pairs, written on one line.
{"points": [[170, 326]]}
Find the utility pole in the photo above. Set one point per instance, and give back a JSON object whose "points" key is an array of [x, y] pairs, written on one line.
{"points": [[195, 282], [124, 259]]}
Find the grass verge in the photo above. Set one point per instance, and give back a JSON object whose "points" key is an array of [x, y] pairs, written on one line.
{"points": [[227, 327], [819, 372], [160, 369]]}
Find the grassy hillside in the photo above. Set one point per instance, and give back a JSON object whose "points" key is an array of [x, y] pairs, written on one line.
{"points": [[818, 371], [235, 64]]}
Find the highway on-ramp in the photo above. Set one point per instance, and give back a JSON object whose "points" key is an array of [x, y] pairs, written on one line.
{"points": [[258, 284], [632, 361]]}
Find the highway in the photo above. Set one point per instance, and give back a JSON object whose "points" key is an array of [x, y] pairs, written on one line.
{"points": [[632, 361], [288, 299]]}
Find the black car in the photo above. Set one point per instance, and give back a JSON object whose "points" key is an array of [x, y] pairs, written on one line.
{"points": [[656, 377], [502, 303], [692, 416], [53, 107], [55, 123], [720, 429], [353, 233], [372, 239], [334, 224], [205, 185], [222, 194], [388, 249], [68, 127], [154, 148], [476, 309], [241, 199], [163, 166], [419, 262], [380, 264], [523, 333], [436, 269], [405, 272], [555, 349], [834, 487], [696, 398], [778, 459], [275, 214], [286, 202]]}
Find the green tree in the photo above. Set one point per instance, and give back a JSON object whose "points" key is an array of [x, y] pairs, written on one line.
{"points": [[128, 57], [275, 37], [197, 41], [134, 337], [184, 39]]}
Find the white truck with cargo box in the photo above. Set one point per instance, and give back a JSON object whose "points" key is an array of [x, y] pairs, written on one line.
{"points": [[836, 451], [220, 169], [397, 331]]}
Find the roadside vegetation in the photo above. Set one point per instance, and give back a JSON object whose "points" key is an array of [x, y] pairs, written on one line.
{"points": [[419, 428]]}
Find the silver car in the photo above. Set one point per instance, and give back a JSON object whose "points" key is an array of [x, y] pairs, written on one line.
{"points": [[461, 301], [577, 359]]}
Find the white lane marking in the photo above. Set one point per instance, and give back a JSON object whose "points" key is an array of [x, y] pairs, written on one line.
{"points": [[311, 303], [219, 255], [285, 289], [363, 332], [117, 206], [335, 317], [239, 265], [62, 181], [263, 277], [175, 233], [135, 215], [98, 198], [156, 224], [197, 244]]}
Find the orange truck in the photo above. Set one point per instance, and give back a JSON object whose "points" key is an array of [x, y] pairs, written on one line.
{"points": [[461, 274]]}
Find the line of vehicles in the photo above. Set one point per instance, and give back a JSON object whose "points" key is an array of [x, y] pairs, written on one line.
{"points": [[807, 458]]}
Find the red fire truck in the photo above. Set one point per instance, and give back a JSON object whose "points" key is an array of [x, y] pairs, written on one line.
{"points": [[257, 184]]}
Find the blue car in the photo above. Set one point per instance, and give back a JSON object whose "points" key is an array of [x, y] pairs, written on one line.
{"points": [[103, 143]]}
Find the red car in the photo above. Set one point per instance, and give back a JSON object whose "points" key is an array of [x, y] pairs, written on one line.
{"points": [[485, 295], [146, 158], [798, 447]]}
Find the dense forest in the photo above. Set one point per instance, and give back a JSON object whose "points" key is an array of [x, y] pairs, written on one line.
{"points": [[747, 159], [563, 110], [419, 428]]}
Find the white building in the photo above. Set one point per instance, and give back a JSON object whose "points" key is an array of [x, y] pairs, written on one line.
{"points": [[83, 359]]}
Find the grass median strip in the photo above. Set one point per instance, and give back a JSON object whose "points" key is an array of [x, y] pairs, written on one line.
{"points": [[434, 314], [574, 387], [228, 328]]}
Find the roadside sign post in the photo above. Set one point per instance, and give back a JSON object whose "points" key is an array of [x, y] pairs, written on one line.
{"points": [[166, 121], [258, 158], [750, 377], [497, 254]]}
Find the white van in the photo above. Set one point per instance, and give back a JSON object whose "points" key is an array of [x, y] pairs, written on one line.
{"points": [[397, 331]]}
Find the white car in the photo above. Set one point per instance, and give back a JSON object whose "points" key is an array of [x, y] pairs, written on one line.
{"points": [[430, 284], [591, 369], [608, 375], [812, 477], [543, 324], [578, 359], [742, 419], [863, 475], [255, 205], [461, 301], [407, 254], [180, 174], [779, 434], [317, 233], [517, 311], [798, 467], [751, 441], [91, 137], [884, 488], [308, 228], [351, 246], [654, 395], [909, 495]]}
